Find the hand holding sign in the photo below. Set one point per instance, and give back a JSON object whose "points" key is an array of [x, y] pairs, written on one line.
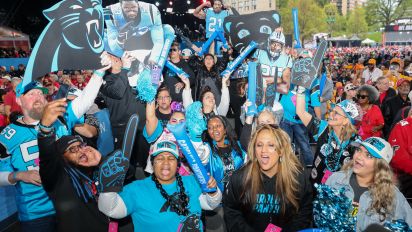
{"points": [[304, 71]]}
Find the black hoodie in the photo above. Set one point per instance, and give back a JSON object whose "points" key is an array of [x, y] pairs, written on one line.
{"points": [[239, 217]]}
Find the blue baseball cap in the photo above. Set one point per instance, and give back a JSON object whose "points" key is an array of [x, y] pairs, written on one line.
{"points": [[377, 147], [21, 90]]}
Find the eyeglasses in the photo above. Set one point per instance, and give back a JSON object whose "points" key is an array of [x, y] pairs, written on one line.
{"points": [[163, 98], [335, 112], [173, 50], [362, 96], [76, 148]]}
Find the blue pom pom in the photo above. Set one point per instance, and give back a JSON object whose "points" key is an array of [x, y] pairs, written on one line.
{"points": [[332, 210], [195, 120], [398, 226], [145, 90]]}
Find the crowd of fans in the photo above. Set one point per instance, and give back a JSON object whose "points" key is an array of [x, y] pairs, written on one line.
{"points": [[13, 53], [349, 130]]}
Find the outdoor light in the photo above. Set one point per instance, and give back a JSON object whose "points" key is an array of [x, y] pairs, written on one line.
{"points": [[188, 2], [157, 3], [170, 3]]}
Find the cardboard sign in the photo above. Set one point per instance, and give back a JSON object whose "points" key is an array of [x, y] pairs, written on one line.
{"points": [[73, 39], [243, 29]]}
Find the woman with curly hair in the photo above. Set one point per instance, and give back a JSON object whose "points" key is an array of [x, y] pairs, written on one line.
{"points": [[368, 181], [372, 120], [271, 189]]}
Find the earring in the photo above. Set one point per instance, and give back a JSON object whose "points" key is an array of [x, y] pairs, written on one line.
{"points": [[280, 159]]}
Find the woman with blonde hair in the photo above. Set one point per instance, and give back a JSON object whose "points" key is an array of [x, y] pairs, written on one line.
{"points": [[333, 136], [271, 190], [368, 181]]}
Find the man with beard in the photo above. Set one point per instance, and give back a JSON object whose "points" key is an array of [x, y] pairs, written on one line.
{"points": [[20, 167]]}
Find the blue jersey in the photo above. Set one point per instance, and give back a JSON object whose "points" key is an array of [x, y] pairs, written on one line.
{"points": [[150, 19], [288, 102], [214, 21], [20, 141], [151, 212], [268, 65]]}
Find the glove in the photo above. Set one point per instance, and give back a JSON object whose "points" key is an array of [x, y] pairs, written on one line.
{"points": [[112, 172]]}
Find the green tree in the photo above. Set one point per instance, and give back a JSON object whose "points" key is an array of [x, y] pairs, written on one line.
{"points": [[335, 21], [356, 23], [312, 18], [383, 12]]}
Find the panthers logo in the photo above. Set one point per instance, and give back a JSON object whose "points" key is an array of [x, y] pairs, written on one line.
{"points": [[73, 39], [257, 27]]}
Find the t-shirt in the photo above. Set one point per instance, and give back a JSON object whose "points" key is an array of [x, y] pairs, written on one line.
{"points": [[20, 141], [214, 21], [357, 193], [151, 212], [163, 118], [371, 118]]}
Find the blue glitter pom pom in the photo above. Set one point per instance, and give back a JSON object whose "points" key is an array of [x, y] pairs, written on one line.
{"points": [[146, 91], [195, 120], [398, 226], [332, 210]]}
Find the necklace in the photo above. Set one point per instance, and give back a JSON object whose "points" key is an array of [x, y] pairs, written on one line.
{"points": [[180, 206], [332, 161]]}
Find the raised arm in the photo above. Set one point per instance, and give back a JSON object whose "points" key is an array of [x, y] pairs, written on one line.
{"points": [[199, 13], [151, 119], [301, 106]]}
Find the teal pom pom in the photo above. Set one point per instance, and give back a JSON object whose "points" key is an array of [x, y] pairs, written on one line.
{"points": [[195, 120], [332, 210], [146, 91]]}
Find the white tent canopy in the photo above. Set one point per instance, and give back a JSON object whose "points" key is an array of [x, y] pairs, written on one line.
{"points": [[368, 41]]}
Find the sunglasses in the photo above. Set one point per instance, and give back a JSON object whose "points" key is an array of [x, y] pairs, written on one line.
{"points": [[76, 148], [362, 96]]}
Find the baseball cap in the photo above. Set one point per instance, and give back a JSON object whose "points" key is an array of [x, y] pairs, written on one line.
{"points": [[371, 61], [401, 81], [64, 142], [164, 146], [350, 86], [377, 147], [21, 90], [186, 52], [352, 111]]}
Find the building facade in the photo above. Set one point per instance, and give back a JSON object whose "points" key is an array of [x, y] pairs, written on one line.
{"points": [[251, 6]]}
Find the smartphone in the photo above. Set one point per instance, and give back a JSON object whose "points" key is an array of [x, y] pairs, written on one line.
{"points": [[62, 92]]}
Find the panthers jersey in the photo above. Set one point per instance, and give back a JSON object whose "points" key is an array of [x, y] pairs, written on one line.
{"points": [[150, 19], [214, 21], [20, 142], [268, 66]]}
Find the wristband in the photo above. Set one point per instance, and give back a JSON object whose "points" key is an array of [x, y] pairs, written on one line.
{"points": [[45, 128], [99, 73]]}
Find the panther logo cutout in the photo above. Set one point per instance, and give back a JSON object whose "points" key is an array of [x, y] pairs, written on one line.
{"points": [[242, 29], [73, 39]]}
